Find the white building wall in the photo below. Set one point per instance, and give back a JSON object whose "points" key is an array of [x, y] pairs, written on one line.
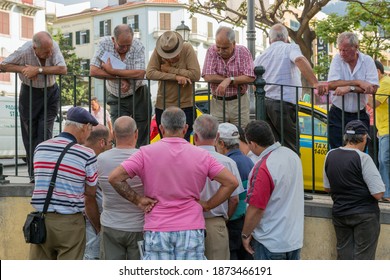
{"points": [[10, 43]]}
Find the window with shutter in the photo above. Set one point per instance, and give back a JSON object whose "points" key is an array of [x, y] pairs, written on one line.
{"points": [[132, 21], [78, 38], [4, 23], [107, 27], [194, 25], [101, 29], [68, 37], [210, 32], [87, 36], [27, 27], [165, 21]]}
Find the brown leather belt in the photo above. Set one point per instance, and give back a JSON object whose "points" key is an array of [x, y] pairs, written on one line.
{"points": [[229, 98]]}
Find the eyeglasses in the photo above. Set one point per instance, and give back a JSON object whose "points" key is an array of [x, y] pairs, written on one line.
{"points": [[123, 46]]}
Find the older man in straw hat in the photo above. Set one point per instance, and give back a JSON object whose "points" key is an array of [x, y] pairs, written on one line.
{"points": [[175, 65]]}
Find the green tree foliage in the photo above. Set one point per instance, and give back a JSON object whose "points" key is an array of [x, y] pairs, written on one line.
{"points": [[74, 90], [371, 21]]}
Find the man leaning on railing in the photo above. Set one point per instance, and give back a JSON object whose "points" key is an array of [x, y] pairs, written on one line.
{"points": [[120, 60], [352, 77], [40, 56], [282, 62]]}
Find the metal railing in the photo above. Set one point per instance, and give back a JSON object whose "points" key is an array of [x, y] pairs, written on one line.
{"points": [[310, 113]]}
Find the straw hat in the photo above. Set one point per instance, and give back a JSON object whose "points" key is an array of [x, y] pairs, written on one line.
{"points": [[169, 44]]}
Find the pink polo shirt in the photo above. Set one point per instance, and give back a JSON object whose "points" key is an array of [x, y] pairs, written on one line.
{"points": [[174, 173]]}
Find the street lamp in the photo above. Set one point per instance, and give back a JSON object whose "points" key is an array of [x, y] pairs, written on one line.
{"points": [[184, 31]]}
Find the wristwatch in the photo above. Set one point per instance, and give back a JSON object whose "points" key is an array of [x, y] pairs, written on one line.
{"points": [[244, 236], [352, 88], [40, 70], [231, 80]]}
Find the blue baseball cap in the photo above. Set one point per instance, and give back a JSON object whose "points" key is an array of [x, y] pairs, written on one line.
{"points": [[80, 115]]}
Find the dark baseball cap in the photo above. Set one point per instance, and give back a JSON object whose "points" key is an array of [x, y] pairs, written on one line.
{"points": [[81, 115], [356, 127]]}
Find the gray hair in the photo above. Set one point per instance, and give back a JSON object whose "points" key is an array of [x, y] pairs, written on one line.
{"points": [[124, 127], [353, 138], [231, 143], [206, 127], [72, 123], [230, 34], [38, 38], [350, 36], [278, 32], [122, 28], [173, 119]]}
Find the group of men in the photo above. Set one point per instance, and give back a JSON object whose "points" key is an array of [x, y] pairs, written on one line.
{"points": [[185, 202]]}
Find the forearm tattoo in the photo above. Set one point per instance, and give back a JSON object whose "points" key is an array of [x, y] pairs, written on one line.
{"points": [[126, 191]]}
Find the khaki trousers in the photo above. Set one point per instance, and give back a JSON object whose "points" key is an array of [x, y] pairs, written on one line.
{"points": [[217, 239], [65, 238], [231, 110]]}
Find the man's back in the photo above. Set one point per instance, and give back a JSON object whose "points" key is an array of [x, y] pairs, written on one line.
{"points": [[281, 181], [77, 168], [212, 186], [278, 62], [118, 213], [174, 173]]}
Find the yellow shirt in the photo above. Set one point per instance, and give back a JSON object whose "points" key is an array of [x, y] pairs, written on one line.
{"points": [[382, 111]]}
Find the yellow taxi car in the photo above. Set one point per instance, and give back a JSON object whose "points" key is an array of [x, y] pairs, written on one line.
{"points": [[310, 120], [313, 143]]}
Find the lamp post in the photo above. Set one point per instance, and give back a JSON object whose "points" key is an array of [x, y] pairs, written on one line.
{"points": [[183, 30], [250, 29]]}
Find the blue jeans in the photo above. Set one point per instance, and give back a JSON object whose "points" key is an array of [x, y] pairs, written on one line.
{"points": [[262, 253], [384, 162], [92, 246]]}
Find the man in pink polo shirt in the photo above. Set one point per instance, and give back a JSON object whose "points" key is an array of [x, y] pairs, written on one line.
{"points": [[174, 173]]}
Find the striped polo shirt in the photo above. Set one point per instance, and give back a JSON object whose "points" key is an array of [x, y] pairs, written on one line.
{"points": [[78, 169]]}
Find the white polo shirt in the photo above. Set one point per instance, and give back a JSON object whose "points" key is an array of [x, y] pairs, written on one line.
{"points": [[279, 64], [364, 70]]}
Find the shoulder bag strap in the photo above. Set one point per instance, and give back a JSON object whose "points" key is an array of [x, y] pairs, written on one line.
{"points": [[53, 178]]}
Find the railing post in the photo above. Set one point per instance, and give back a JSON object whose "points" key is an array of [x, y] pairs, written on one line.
{"points": [[260, 93]]}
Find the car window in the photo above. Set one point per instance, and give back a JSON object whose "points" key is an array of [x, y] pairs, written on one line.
{"points": [[203, 106], [305, 123]]}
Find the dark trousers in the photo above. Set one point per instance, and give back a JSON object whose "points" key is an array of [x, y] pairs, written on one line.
{"points": [[137, 106], [189, 119], [336, 125], [274, 119], [357, 236], [38, 119], [237, 250]]}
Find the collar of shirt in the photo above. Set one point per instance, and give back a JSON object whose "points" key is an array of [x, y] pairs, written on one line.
{"points": [[268, 150], [67, 135], [234, 152], [207, 148]]}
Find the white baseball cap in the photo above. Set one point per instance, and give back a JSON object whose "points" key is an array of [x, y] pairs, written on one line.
{"points": [[228, 131]]}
